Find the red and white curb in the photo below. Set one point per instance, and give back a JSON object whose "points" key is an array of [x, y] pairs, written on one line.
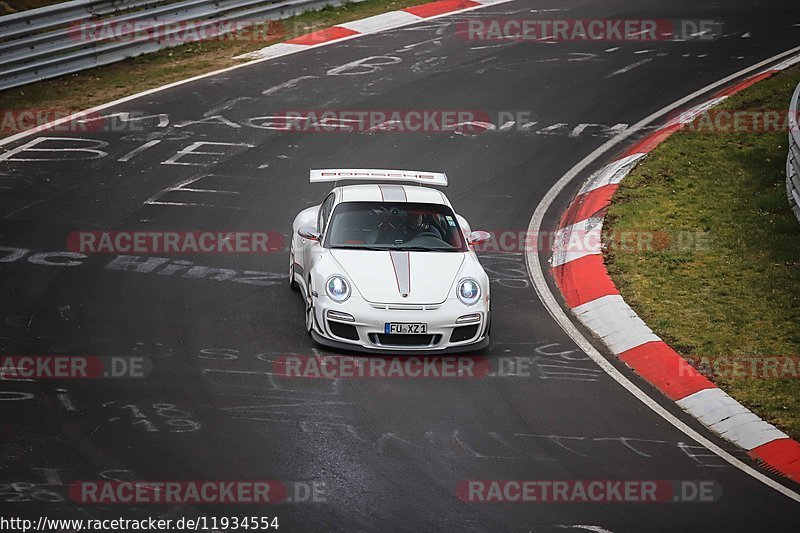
{"points": [[377, 23], [592, 296]]}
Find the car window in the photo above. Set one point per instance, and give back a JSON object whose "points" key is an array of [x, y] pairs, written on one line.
{"points": [[394, 226], [324, 213]]}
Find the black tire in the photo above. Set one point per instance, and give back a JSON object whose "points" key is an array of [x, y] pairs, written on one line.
{"points": [[292, 283]]}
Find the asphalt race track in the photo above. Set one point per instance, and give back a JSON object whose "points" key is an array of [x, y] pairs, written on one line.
{"points": [[389, 452]]}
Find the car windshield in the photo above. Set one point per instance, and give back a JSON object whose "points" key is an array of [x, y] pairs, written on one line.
{"points": [[394, 226]]}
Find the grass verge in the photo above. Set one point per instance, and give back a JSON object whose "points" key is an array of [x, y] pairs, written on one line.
{"points": [[102, 84], [737, 299]]}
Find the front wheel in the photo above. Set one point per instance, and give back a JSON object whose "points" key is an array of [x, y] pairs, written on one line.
{"points": [[292, 283]]}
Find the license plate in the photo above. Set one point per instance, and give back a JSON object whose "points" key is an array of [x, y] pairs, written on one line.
{"points": [[405, 328]]}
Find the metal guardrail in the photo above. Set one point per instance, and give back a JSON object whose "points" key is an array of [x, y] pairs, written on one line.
{"points": [[48, 17], [793, 159], [47, 42]]}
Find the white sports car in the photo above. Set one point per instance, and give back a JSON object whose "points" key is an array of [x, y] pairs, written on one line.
{"points": [[389, 267]]}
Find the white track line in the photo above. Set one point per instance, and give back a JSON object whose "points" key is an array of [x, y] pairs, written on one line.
{"points": [[551, 304]]}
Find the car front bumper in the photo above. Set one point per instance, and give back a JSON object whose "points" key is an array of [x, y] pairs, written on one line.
{"points": [[366, 331]]}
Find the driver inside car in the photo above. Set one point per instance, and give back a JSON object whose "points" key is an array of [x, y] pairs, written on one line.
{"points": [[415, 225], [405, 228]]}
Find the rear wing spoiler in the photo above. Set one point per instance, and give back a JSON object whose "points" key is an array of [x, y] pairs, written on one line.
{"points": [[372, 174]]}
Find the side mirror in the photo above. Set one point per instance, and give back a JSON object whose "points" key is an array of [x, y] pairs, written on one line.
{"points": [[479, 237], [307, 232]]}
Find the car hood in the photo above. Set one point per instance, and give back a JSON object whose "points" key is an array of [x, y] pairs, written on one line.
{"points": [[384, 277]]}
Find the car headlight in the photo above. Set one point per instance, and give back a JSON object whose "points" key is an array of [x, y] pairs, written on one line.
{"points": [[338, 289], [469, 291]]}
